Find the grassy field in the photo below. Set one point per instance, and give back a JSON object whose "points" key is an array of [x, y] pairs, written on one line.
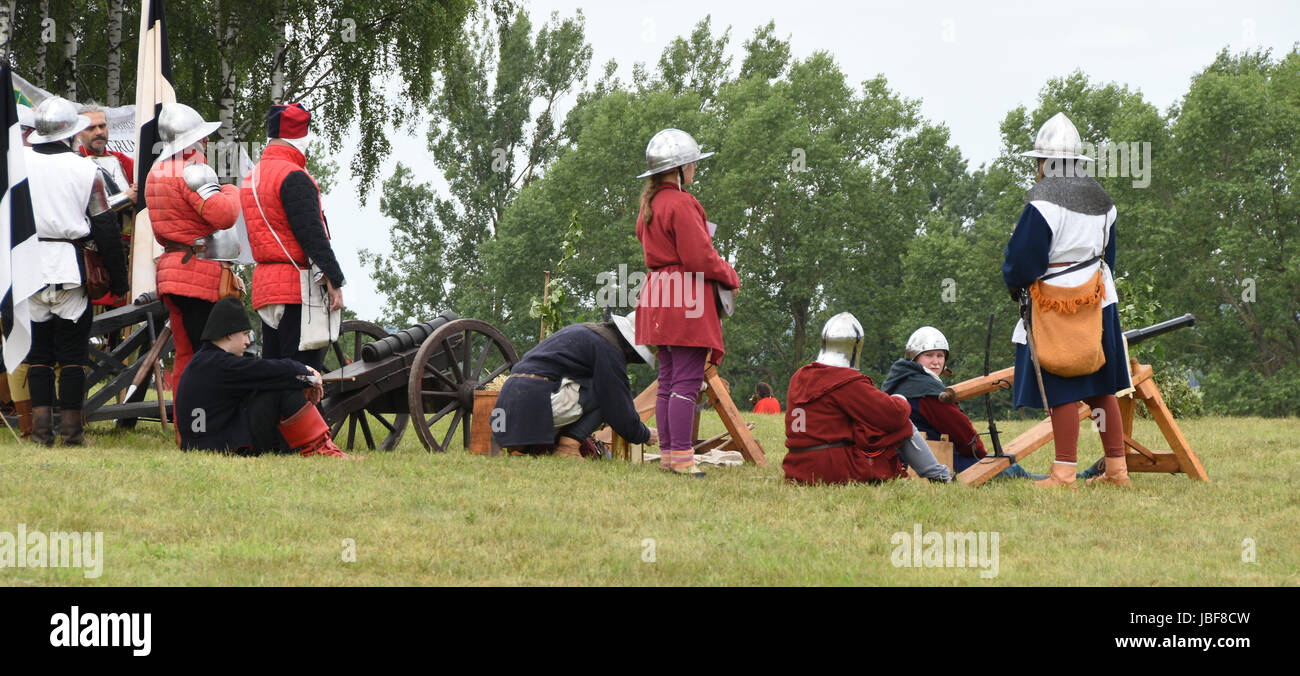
{"points": [[172, 518]]}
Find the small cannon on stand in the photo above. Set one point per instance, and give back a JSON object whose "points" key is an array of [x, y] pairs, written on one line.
{"points": [[1140, 459], [419, 375]]}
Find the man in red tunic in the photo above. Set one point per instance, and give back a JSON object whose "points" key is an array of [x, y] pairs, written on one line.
{"points": [[186, 203], [288, 233], [120, 169], [839, 428]]}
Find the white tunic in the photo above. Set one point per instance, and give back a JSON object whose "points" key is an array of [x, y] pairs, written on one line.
{"points": [[1076, 238], [60, 186]]}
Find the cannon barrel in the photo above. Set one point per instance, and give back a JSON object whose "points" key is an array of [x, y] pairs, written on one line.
{"points": [[406, 339], [1136, 336]]}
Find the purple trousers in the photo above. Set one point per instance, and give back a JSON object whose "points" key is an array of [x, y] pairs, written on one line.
{"points": [[681, 371]]}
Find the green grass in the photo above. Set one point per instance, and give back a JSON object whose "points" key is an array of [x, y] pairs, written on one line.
{"points": [[173, 518]]}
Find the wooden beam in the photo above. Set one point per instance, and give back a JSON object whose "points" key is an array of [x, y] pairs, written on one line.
{"points": [[1142, 450], [977, 386], [1187, 460], [720, 397], [1020, 447], [1161, 461]]}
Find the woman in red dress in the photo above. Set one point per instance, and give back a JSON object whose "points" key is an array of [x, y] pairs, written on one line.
{"points": [[676, 310]]}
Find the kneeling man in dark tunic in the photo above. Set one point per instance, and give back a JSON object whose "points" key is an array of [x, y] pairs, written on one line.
{"points": [[229, 402], [570, 384]]}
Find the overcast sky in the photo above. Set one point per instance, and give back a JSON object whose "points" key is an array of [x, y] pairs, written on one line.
{"points": [[967, 62]]}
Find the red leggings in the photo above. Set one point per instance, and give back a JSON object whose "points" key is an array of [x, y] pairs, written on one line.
{"points": [[1065, 427]]}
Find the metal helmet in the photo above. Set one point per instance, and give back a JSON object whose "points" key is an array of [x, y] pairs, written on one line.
{"points": [[627, 328], [180, 126], [925, 339], [1058, 138], [669, 149], [842, 339], [26, 117], [56, 120]]}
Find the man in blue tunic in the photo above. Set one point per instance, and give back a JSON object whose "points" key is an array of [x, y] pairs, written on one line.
{"points": [[1066, 234], [573, 381]]}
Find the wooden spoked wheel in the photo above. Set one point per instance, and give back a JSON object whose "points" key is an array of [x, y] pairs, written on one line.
{"points": [[457, 359], [380, 431]]}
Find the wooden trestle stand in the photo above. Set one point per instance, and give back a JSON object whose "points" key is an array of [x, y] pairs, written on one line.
{"points": [[1139, 457], [737, 436]]}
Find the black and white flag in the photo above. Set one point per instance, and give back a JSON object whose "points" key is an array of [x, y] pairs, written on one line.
{"points": [[153, 88], [20, 259]]}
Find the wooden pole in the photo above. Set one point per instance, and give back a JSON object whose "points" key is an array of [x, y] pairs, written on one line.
{"points": [[546, 299]]}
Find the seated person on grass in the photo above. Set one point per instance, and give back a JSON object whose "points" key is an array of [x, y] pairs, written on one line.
{"points": [[763, 400], [570, 384], [839, 428], [918, 378], [248, 406]]}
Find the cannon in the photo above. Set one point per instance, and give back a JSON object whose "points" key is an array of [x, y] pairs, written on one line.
{"points": [[422, 377], [376, 383], [999, 380]]}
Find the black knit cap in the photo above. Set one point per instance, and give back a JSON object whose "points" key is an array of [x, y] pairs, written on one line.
{"points": [[227, 317]]}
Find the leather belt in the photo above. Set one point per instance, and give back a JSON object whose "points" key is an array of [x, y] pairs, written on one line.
{"points": [[819, 447], [73, 242], [189, 251], [534, 376], [1061, 265]]}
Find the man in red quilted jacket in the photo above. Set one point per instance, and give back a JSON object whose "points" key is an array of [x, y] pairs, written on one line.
{"points": [[288, 232], [186, 203]]}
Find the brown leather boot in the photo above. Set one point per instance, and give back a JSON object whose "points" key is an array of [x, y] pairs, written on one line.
{"points": [[1062, 476], [43, 425], [24, 417], [72, 427], [1116, 473], [568, 447]]}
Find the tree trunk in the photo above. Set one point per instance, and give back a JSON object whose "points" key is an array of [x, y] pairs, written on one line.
{"points": [[227, 155], [69, 62], [7, 27], [281, 45], [38, 71], [113, 97], [225, 46], [800, 312]]}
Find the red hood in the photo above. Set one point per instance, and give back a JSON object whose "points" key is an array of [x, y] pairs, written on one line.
{"points": [[815, 380]]}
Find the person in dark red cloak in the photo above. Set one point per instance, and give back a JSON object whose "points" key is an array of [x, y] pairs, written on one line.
{"points": [[839, 428]]}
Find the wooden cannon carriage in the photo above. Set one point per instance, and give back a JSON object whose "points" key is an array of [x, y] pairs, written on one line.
{"points": [[1179, 458], [376, 383], [383, 383], [134, 360]]}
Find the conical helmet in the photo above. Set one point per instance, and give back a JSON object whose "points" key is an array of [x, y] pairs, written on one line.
{"points": [[1058, 138], [180, 126], [56, 120], [925, 339], [842, 339], [671, 148]]}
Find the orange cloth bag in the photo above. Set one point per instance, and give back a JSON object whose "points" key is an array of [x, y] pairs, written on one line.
{"points": [[1067, 327]]}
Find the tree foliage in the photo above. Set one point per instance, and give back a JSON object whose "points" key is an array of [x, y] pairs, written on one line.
{"points": [[333, 51]]}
